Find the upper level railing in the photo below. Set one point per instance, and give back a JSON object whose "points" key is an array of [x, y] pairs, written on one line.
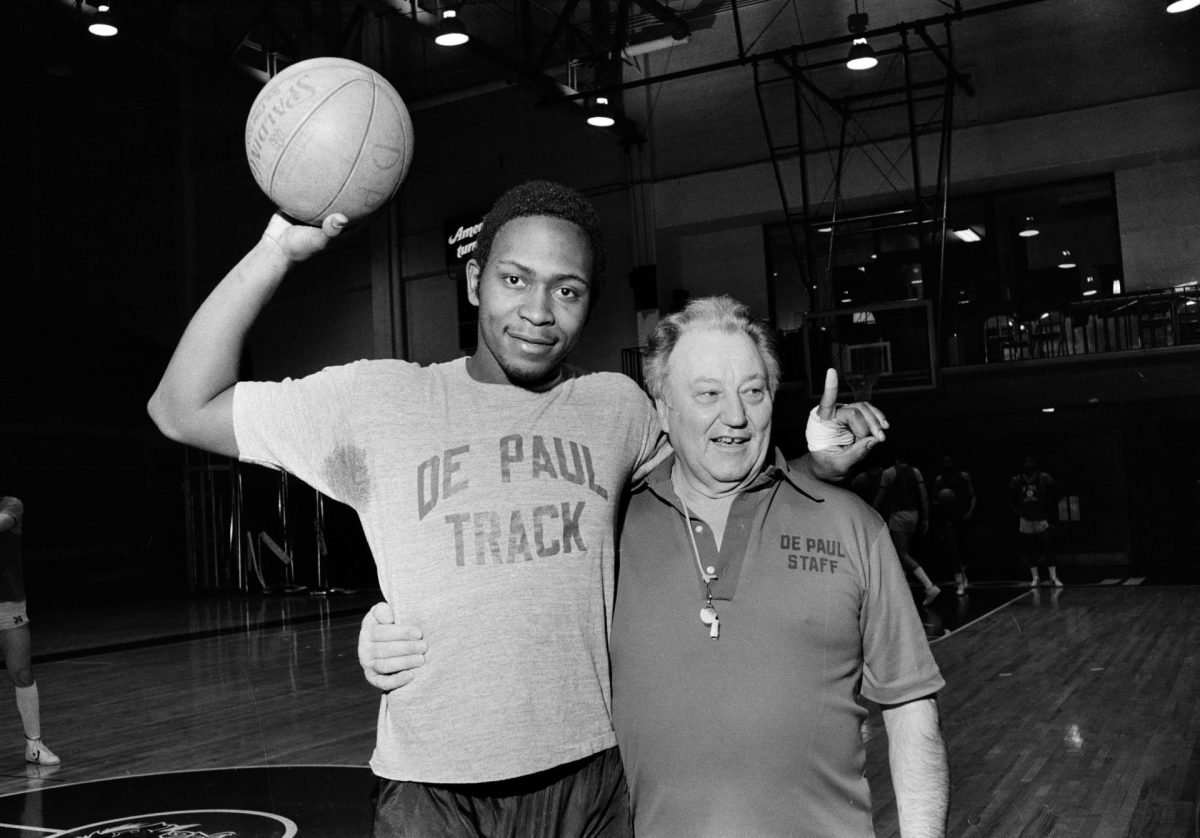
{"points": [[1131, 322], [888, 345]]}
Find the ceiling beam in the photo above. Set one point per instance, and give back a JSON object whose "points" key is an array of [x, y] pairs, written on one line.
{"points": [[961, 80], [560, 26], [799, 49], [677, 27]]}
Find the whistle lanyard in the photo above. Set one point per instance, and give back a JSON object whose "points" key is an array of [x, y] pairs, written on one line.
{"points": [[708, 614]]}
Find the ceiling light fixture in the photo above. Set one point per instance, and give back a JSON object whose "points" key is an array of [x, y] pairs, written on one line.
{"points": [[451, 32], [600, 115], [1028, 230], [103, 25], [1067, 261], [861, 57], [966, 234], [1182, 6]]}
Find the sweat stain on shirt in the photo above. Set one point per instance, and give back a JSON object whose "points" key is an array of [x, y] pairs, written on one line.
{"points": [[346, 471]]}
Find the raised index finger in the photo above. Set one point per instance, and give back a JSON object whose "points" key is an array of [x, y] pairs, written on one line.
{"points": [[828, 406]]}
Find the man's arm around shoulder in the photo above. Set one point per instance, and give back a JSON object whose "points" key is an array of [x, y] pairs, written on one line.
{"points": [[920, 767]]}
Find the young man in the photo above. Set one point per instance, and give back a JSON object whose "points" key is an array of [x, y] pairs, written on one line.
{"points": [[1033, 496], [954, 514], [904, 503], [753, 604], [14, 631], [488, 490]]}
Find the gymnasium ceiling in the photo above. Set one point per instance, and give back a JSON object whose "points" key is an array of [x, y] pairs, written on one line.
{"points": [[190, 63], [699, 79], [1056, 54]]}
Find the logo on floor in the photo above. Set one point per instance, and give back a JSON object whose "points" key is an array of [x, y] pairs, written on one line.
{"points": [[251, 802], [218, 823]]}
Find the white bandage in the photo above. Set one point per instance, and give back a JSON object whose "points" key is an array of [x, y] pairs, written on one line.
{"points": [[827, 434]]}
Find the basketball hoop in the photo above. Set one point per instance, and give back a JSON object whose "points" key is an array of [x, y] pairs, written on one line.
{"points": [[861, 384]]}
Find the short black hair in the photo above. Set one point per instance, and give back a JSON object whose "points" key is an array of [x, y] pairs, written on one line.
{"points": [[543, 197]]}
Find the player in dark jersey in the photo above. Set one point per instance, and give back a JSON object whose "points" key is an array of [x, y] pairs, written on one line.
{"points": [[14, 631], [1033, 496], [904, 503], [953, 513]]}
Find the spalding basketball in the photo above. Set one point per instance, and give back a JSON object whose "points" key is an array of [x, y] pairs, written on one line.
{"points": [[329, 135], [946, 497]]}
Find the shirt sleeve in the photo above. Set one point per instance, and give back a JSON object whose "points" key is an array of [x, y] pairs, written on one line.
{"points": [[655, 446], [303, 427], [897, 663]]}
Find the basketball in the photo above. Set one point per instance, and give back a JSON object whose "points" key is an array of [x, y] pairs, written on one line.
{"points": [[946, 497], [329, 135]]}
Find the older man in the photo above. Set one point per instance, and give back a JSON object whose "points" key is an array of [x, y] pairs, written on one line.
{"points": [[754, 604]]}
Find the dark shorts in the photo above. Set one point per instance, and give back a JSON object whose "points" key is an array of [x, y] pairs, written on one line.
{"points": [[1037, 548], [584, 799]]}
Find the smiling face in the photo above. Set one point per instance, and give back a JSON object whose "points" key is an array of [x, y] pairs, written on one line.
{"points": [[717, 407], [533, 295]]}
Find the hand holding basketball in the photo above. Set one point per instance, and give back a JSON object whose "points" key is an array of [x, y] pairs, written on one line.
{"points": [[328, 135], [297, 242]]}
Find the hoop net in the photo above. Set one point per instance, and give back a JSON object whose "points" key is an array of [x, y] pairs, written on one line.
{"points": [[861, 385]]}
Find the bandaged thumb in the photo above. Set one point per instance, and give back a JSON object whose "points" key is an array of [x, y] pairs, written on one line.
{"points": [[826, 434]]}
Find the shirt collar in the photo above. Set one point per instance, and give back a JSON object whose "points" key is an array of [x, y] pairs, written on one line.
{"points": [[659, 480]]}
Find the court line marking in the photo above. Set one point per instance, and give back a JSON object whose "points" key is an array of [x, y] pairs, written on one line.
{"points": [[985, 615], [119, 777], [206, 634], [24, 828]]}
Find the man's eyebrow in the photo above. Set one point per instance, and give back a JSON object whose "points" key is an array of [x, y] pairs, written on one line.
{"points": [[755, 377], [513, 263]]}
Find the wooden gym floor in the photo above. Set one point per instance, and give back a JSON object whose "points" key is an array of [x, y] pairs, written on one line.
{"points": [[1068, 712]]}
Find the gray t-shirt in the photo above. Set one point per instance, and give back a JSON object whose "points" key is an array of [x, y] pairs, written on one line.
{"points": [[490, 511]]}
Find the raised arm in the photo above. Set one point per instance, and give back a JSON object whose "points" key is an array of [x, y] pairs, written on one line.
{"points": [[920, 768], [193, 402]]}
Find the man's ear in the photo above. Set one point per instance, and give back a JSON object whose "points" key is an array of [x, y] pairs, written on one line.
{"points": [[473, 273], [663, 415]]}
